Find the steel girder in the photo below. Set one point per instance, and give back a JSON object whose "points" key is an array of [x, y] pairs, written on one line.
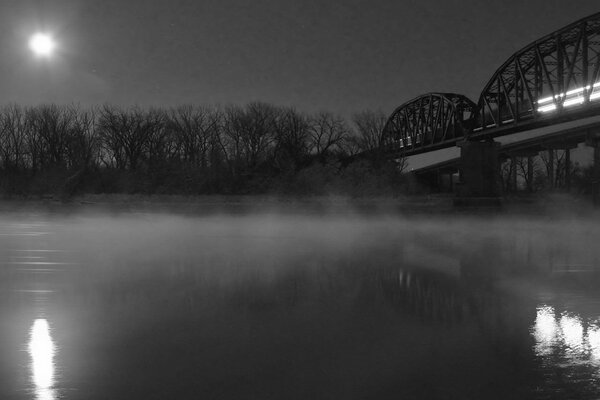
{"points": [[555, 76], [427, 122]]}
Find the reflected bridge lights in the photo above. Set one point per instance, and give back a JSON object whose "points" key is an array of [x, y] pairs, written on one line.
{"points": [[41, 351], [545, 331], [571, 98], [594, 342], [566, 333]]}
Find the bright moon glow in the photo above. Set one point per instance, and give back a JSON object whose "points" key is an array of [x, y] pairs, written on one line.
{"points": [[42, 45], [41, 351]]}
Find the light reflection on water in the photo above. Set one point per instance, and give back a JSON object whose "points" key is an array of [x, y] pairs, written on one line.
{"points": [[572, 334], [42, 350], [567, 336], [545, 330], [594, 342]]}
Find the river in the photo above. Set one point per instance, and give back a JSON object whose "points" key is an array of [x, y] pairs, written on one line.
{"points": [[294, 305]]}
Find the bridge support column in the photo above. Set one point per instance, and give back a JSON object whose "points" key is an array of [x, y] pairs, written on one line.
{"points": [[479, 173], [593, 140]]}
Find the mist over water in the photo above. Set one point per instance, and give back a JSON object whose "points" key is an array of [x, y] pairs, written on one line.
{"points": [[301, 304]]}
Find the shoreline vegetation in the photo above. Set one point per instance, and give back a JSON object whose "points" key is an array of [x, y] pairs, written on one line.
{"points": [[191, 150], [258, 149]]}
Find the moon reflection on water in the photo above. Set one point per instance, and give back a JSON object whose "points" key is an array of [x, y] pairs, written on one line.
{"points": [[42, 351]]}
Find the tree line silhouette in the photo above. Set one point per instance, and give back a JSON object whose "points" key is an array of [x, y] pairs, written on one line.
{"points": [[254, 148], [236, 149]]}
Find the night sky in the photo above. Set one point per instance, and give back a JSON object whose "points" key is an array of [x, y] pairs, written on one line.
{"points": [[342, 56]]}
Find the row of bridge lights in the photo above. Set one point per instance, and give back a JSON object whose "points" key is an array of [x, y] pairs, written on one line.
{"points": [[571, 98]]}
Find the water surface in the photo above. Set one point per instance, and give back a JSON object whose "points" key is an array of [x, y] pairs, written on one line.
{"points": [[151, 305]]}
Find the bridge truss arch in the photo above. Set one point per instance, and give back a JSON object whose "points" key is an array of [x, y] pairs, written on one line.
{"points": [[427, 122], [557, 76]]}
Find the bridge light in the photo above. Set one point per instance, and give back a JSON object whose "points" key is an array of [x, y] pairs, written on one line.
{"points": [[578, 90], [596, 92], [577, 100], [547, 108], [545, 100], [574, 97], [571, 98]]}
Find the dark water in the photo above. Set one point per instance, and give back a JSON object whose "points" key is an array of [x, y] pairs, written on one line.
{"points": [[297, 306]]}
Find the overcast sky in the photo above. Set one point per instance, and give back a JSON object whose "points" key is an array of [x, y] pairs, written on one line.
{"points": [[341, 56]]}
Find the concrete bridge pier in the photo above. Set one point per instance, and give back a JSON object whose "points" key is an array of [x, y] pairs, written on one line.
{"points": [[479, 173], [593, 140]]}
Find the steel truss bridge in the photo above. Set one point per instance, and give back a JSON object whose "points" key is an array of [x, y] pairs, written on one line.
{"points": [[553, 80]]}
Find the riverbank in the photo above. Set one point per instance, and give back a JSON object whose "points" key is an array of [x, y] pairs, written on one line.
{"points": [[435, 204], [235, 203]]}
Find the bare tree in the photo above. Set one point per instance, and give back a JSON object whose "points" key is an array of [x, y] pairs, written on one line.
{"points": [[248, 136], [124, 134], [160, 144], [506, 172], [82, 143], [553, 165], [257, 126], [523, 170], [369, 127], [291, 139], [193, 129], [327, 132], [14, 127], [51, 125], [230, 139], [350, 146]]}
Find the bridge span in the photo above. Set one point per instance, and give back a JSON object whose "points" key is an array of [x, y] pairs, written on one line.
{"points": [[544, 96], [533, 141]]}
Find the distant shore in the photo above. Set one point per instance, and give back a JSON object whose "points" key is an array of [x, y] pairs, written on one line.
{"points": [[206, 204], [231, 203]]}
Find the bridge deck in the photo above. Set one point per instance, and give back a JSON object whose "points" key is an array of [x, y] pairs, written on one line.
{"points": [[571, 131]]}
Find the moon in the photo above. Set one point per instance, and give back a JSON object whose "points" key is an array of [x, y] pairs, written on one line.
{"points": [[42, 44]]}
